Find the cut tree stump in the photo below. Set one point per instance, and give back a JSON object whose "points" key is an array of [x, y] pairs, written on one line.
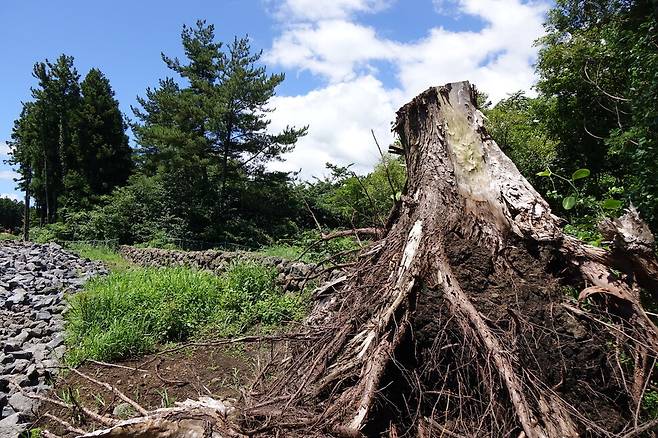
{"points": [[464, 319]]}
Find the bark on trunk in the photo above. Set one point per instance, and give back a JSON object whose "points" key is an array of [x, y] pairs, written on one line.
{"points": [[26, 211], [459, 320]]}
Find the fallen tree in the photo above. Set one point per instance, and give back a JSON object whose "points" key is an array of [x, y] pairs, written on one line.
{"points": [[458, 321]]}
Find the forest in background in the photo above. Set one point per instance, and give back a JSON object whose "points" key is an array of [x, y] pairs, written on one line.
{"points": [[587, 142]]}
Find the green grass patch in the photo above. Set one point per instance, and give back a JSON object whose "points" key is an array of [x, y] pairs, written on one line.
{"points": [[284, 251], [106, 254], [310, 249], [8, 236], [132, 312]]}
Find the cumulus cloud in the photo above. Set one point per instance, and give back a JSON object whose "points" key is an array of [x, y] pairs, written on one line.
{"points": [[340, 117], [327, 40], [334, 49]]}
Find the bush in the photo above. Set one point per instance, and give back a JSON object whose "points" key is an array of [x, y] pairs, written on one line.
{"points": [[129, 313]]}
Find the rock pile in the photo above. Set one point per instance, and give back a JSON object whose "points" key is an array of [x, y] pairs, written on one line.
{"points": [[291, 274], [33, 281]]}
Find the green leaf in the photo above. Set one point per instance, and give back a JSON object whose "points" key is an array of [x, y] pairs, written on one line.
{"points": [[569, 202], [580, 173], [544, 173], [611, 204]]}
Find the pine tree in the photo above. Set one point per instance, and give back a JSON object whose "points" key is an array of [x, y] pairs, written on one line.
{"points": [[57, 101], [69, 143], [214, 128], [104, 150]]}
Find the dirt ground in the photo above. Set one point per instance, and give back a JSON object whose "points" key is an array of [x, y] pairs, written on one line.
{"points": [[154, 381]]}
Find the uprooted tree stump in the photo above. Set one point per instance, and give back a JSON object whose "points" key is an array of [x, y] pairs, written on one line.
{"points": [[458, 321]]}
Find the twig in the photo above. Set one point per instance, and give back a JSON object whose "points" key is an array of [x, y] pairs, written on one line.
{"points": [[42, 398], [112, 389], [611, 96], [368, 231], [68, 426], [645, 427], [315, 219], [370, 200], [388, 175], [105, 364]]}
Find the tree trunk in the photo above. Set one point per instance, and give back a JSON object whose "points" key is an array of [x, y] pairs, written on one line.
{"points": [[26, 208], [45, 186], [459, 321], [464, 319]]}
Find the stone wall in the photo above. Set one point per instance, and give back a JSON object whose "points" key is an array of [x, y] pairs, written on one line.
{"points": [[290, 276]]}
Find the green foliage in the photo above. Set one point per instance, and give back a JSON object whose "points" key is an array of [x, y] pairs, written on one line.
{"points": [[345, 199], [590, 210], [69, 143], [50, 233], [132, 312], [7, 236], [597, 67], [650, 403], [32, 433], [105, 156], [11, 215], [137, 212], [207, 140]]}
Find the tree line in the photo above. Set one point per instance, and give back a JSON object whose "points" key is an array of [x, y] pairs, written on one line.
{"points": [[587, 141], [198, 170]]}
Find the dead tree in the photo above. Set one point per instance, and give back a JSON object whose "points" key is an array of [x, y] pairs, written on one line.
{"points": [[458, 322], [464, 319]]}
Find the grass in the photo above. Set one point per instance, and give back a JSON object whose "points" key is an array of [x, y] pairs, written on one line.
{"points": [[8, 236], [315, 250], [108, 255], [284, 251], [130, 313]]}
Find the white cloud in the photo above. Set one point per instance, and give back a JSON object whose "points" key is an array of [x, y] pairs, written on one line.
{"points": [[8, 175], [334, 49], [327, 41], [340, 117], [4, 149], [325, 9], [15, 196]]}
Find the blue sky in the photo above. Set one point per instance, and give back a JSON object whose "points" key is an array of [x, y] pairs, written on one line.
{"points": [[349, 64]]}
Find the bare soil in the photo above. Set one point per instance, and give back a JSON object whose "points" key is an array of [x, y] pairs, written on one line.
{"points": [[154, 381]]}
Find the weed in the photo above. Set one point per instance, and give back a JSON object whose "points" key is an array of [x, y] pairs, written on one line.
{"points": [[166, 402], [650, 403], [130, 313], [32, 433]]}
